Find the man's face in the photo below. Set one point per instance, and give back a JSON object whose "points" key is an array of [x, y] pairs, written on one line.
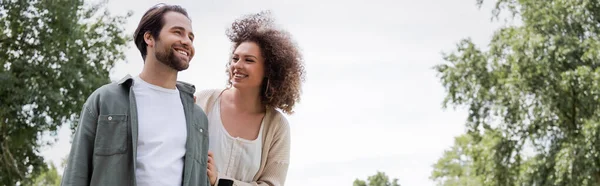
{"points": [[174, 45]]}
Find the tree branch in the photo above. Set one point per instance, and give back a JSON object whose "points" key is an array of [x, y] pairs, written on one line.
{"points": [[8, 158]]}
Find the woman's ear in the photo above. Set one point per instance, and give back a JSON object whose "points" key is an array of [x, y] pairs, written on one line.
{"points": [[149, 39]]}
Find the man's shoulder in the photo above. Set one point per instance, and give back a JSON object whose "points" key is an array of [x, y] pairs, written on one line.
{"points": [[112, 95], [108, 93], [118, 88], [186, 87], [110, 90]]}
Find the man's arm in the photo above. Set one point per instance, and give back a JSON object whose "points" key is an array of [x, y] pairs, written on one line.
{"points": [[79, 165]]}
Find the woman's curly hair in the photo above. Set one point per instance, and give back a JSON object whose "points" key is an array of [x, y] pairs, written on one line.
{"points": [[284, 66]]}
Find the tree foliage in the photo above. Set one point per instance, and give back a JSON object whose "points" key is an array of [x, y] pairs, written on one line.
{"points": [[53, 54], [533, 98], [49, 177], [379, 179]]}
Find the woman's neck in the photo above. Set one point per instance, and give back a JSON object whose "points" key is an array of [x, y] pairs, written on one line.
{"points": [[248, 101]]}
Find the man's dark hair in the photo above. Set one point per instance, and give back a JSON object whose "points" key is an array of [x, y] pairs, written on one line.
{"points": [[153, 21]]}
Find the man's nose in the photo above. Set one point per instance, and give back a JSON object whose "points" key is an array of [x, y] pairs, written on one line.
{"points": [[187, 41]]}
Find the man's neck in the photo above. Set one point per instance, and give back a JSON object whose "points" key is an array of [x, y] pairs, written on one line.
{"points": [[159, 74]]}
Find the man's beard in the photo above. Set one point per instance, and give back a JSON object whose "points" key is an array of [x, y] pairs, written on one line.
{"points": [[168, 58]]}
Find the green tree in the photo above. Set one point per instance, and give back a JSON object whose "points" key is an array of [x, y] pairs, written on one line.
{"points": [[455, 168], [53, 54], [532, 97], [379, 179], [49, 177]]}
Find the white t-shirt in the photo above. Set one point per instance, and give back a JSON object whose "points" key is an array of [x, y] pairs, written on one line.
{"points": [[162, 135], [236, 158]]}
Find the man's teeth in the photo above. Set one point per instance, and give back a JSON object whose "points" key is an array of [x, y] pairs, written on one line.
{"points": [[182, 52]]}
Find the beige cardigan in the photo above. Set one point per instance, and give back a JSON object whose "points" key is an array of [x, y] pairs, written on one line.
{"points": [[275, 156]]}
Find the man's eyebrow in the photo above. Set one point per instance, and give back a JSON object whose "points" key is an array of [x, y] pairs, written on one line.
{"points": [[177, 28], [182, 29]]}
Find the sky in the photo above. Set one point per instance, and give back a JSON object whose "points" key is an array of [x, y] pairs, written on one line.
{"points": [[371, 100]]}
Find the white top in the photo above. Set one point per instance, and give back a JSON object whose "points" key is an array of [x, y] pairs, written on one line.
{"points": [[162, 135], [236, 158]]}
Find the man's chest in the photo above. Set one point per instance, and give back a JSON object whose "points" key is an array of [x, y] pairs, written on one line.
{"points": [[161, 122]]}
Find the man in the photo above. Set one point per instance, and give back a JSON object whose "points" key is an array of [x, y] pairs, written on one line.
{"points": [[145, 130]]}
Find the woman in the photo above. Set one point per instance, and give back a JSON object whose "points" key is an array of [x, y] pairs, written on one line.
{"points": [[249, 136]]}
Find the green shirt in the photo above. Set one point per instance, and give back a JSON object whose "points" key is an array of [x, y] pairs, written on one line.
{"points": [[104, 146]]}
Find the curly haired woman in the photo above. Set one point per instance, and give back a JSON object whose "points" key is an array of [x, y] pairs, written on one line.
{"points": [[249, 136]]}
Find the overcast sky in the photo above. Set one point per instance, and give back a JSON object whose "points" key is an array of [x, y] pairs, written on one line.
{"points": [[371, 100]]}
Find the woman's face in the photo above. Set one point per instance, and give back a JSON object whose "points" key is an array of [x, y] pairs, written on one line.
{"points": [[247, 66]]}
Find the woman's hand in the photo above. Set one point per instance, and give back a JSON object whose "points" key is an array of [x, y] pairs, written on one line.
{"points": [[212, 170]]}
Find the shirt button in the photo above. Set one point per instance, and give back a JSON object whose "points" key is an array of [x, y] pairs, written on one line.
{"points": [[201, 130], [109, 118]]}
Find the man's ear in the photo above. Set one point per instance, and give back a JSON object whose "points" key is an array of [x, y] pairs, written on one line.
{"points": [[149, 39]]}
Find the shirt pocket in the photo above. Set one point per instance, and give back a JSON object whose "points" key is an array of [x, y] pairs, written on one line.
{"points": [[111, 135]]}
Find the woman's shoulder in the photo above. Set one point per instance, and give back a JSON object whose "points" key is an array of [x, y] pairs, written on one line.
{"points": [[278, 136], [207, 92], [278, 123], [203, 97]]}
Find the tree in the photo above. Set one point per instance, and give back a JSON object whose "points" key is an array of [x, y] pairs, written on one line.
{"points": [[53, 55], [455, 168], [379, 179], [50, 177], [532, 97]]}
